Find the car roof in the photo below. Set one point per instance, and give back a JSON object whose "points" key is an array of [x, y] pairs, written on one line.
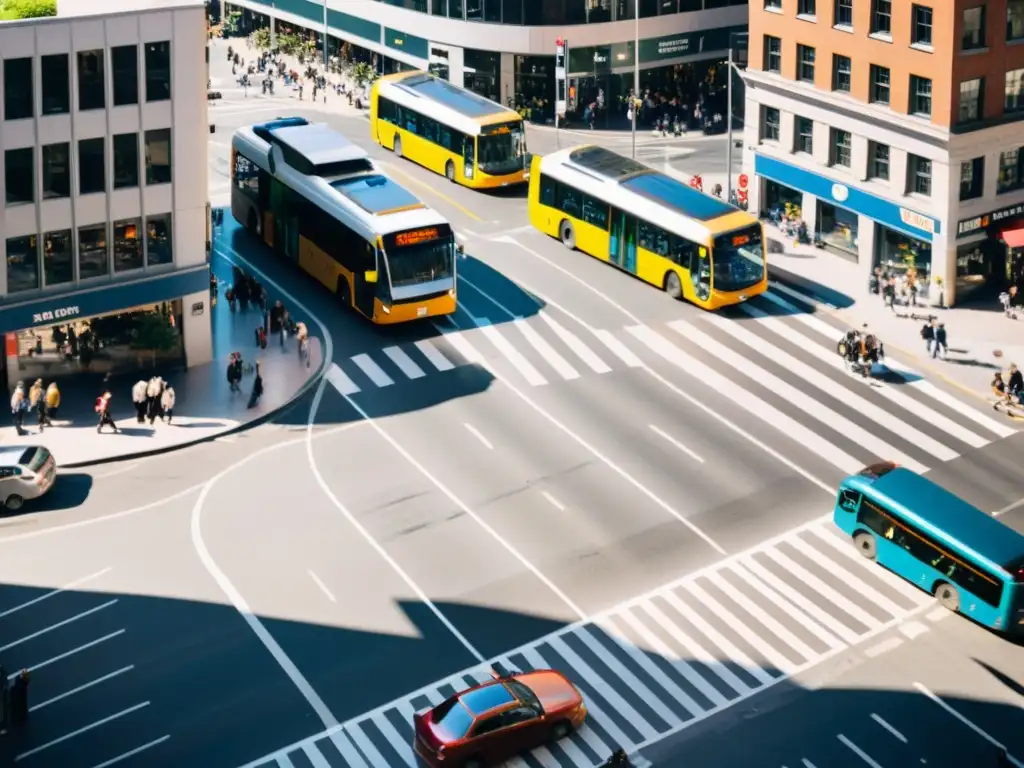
{"points": [[487, 698]]}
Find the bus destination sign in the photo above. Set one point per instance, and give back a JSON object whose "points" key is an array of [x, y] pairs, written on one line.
{"points": [[416, 236]]}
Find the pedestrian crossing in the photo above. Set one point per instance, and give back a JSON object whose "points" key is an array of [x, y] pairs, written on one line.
{"points": [[664, 661]]}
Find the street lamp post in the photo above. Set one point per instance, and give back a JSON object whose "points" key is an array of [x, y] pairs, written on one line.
{"points": [[636, 68], [325, 38], [733, 38]]}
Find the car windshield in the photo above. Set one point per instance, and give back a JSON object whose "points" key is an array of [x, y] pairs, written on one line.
{"points": [[525, 695], [421, 263], [737, 259], [501, 153], [452, 721]]}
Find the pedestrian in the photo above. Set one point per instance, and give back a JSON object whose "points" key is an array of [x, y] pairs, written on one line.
{"points": [[102, 408], [154, 388], [261, 337], [19, 698], [286, 324], [19, 407], [139, 400], [940, 342], [302, 337], [928, 334], [167, 403], [257, 386], [276, 317], [52, 400], [42, 411]]}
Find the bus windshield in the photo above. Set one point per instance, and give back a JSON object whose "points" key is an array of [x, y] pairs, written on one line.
{"points": [[738, 259], [421, 263], [501, 149]]}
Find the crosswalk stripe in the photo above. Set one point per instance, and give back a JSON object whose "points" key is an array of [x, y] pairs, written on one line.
{"points": [[313, 755], [905, 403], [548, 352], [745, 400], [405, 363], [337, 379], [531, 374], [397, 742], [366, 746], [373, 371], [807, 404], [593, 740], [573, 342], [463, 347], [283, 761], [619, 349], [347, 750], [434, 355]]}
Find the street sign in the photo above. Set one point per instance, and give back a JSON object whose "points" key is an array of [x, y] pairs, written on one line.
{"points": [[561, 58], [743, 181]]}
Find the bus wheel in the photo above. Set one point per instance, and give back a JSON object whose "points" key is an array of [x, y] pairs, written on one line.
{"points": [[866, 545], [398, 145], [343, 291], [449, 170], [948, 597], [252, 223], [672, 286], [567, 234]]}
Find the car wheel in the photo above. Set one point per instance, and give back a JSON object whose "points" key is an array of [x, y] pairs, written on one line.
{"points": [[398, 146], [449, 171], [672, 286], [568, 236], [560, 731], [866, 545], [948, 597], [14, 502]]}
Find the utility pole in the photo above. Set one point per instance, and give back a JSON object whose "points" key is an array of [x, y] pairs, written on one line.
{"points": [[734, 37], [636, 69]]}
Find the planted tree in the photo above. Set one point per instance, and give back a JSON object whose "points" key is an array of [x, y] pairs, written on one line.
{"points": [[363, 74], [155, 335], [261, 39], [27, 9]]}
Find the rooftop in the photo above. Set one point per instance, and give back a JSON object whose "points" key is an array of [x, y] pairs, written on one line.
{"points": [[319, 143], [377, 194], [17, 12], [464, 102]]}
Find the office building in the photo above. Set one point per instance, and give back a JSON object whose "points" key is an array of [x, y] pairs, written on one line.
{"points": [[103, 135], [896, 128]]}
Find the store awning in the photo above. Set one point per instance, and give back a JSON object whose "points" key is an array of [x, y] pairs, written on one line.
{"points": [[1014, 238]]}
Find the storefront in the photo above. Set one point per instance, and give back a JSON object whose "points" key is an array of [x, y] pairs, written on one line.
{"points": [[838, 229], [778, 196], [154, 324], [482, 73], [984, 264]]}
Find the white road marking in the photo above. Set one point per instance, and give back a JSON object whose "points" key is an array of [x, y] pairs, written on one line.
{"points": [[80, 731], [405, 363], [858, 751], [72, 652], [553, 501], [119, 471], [619, 349], [58, 625], [476, 433], [373, 371], [883, 647], [373, 755], [966, 722], [399, 744], [340, 381], [913, 629], [323, 587], [458, 340], [573, 342], [434, 355], [132, 753], [938, 614], [546, 351], [889, 728], [81, 688], [676, 443], [54, 592], [285, 762], [315, 758], [997, 513], [525, 367], [347, 749], [807, 763]]}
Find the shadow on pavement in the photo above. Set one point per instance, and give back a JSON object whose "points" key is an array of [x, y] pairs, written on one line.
{"points": [[811, 288], [70, 490]]}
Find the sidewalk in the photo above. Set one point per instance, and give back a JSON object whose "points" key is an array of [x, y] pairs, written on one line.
{"points": [[205, 408]]}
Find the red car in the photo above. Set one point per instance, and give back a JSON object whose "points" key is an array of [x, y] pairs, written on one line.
{"points": [[495, 721]]}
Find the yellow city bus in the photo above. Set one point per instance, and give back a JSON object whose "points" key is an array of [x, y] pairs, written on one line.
{"points": [[471, 140], [693, 246], [321, 202]]}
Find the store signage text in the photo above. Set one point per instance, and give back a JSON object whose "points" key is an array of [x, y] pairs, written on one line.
{"points": [[57, 314], [917, 220], [970, 226]]}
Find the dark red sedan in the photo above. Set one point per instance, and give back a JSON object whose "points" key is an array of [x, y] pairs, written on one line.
{"points": [[494, 721]]}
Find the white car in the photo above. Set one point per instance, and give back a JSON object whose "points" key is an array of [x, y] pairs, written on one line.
{"points": [[26, 472]]}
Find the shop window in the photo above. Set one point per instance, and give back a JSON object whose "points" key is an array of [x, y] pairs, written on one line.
{"points": [[56, 82], [1014, 89], [598, 11], [804, 139], [973, 269], [1011, 170], [899, 253], [93, 252], [971, 100], [90, 80], [807, 8], [974, 28], [919, 175], [805, 55], [842, 73], [126, 160], [878, 161], [159, 240], [91, 166], [158, 156], [772, 54], [20, 176], [158, 71], [921, 26], [124, 61], [773, 5], [837, 227], [972, 178], [881, 18], [127, 245], [1015, 20], [843, 14], [19, 99], [771, 124], [56, 171], [512, 11], [841, 147], [880, 86], [920, 96], [22, 264], [455, 10], [58, 258]]}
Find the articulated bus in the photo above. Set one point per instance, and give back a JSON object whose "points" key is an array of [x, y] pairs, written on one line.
{"points": [[321, 202], [469, 139], [692, 245]]}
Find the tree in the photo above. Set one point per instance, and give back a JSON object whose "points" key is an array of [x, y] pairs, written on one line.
{"points": [[27, 9], [154, 334], [363, 74], [261, 39], [289, 43]]}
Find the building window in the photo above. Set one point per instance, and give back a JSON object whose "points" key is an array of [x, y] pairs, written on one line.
{"points": [[920, 95], [90, 80], [19, 176], [56, 171], [843, 13], [1010, 175], [56, 81], [1014, 99], [93, 252], [58, 258], [971, 100], [771, 125], [919, 175], [1015, 20], [772, 54], [804, 135], [127, 245], [881, 17], [842, 71], [158, 71], [19, 101], [126, 160], [807, 8], [974, 28], [91, 166], [880, 86], [22, 264], [878, 161], [972, 178], [921, 28], [158, 156], [124, 61], [159, 242], [805, 63], [841, 148], [773, 5]]}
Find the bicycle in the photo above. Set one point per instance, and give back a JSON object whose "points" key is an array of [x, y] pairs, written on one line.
{"points": [[1008, 403]]}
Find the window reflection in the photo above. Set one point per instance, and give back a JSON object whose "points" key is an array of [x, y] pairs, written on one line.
{"points": [[92, 252], [56, 171], [158, 156], [22, 264], [127, 245], [158, 240], [58, 258]]}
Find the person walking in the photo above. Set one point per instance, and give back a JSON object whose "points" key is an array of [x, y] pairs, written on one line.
{"points": [[37, 398], [940, 348], [154, 388], [928, 335], [235, 371], [102, 408], [167, 404], [52, 401], [19, 407], [302, 337], [139, 400], [257, 386]]}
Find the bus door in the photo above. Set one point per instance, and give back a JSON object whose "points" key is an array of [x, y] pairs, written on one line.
{"points": [[366, 277], [286, 223], [468, 155], [700, 272], [622, 247]]}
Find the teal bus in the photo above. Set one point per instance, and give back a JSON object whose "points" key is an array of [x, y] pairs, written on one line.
{"points": [[970, 561]]}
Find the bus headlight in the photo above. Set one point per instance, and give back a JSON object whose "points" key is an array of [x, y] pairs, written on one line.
{"points": [[386, 308], [451, 293]]}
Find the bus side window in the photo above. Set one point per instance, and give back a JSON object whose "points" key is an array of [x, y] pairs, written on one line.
{"points": [[595, 212], [428, 129], [547, 191], [569, 200], [410, 120], [684, 253], [849, 501], [385, 110], [654, 239]]}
